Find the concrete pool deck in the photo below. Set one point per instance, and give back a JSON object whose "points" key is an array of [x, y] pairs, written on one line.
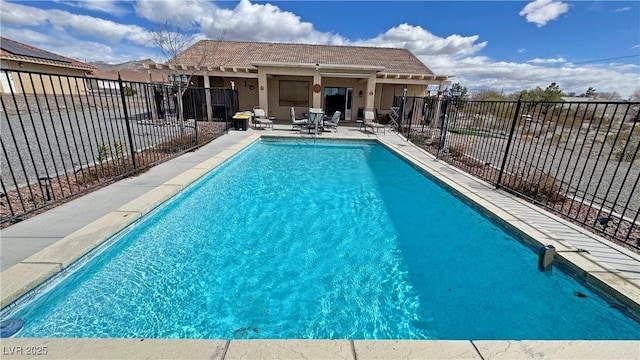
{"points": [[37, 248]]}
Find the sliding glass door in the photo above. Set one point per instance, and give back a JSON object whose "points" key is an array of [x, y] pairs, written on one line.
{"points": [[338, 99]]}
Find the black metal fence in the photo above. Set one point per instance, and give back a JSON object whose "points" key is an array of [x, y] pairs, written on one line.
{"points": [[580, 160], [65, 135]]}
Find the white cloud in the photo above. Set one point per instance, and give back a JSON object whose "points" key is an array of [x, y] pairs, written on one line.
{"points": [[82, 50], [247, 21], [523, 50], [422, 42], [106, 6], [540, 12], [547, 61], [259, 22], [65, 23], [481, 73], [16, 14], [184, 14], [627, 8]]}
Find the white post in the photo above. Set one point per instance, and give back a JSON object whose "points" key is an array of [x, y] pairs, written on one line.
{"points": [[180, 114]]}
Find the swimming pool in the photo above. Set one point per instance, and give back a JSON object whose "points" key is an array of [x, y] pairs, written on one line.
{"points": [[324, 240]]}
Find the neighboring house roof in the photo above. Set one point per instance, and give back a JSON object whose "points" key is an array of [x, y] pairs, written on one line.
{"points": [[243, 55], [125, 75], [17, 51]]}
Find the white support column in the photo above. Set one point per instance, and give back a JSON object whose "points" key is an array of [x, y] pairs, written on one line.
{"points": [[207, 96], [317, 96], [441, 87], [155, 103], [263, 98], [370, 96]]}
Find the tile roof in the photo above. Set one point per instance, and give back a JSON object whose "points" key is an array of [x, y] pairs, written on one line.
{"points": [[243, 54], [69, 63]]}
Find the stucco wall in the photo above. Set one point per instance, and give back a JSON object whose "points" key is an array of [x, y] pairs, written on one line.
{"points": [[42, 79]]}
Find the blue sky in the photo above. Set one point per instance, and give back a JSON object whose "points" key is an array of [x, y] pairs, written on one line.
{"points": [[498, 45]]}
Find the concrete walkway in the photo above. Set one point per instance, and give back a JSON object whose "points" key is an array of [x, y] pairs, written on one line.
{"points": [[60, 230]]}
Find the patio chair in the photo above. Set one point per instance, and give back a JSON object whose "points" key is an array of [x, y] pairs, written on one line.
{"points": [[260, 117], [316, 118], [296, 123], [370, 121], [333, 121]]}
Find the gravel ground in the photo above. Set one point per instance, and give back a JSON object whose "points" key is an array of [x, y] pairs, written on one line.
{"points": [[55, 145]]}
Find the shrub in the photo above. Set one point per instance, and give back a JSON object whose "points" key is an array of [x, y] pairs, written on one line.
{"points": [[538, 186], [129, 91], [417, 139], [456, 150]]}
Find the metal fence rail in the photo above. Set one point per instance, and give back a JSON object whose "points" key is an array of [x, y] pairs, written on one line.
{"points": [[64, 135], [580, 160]]}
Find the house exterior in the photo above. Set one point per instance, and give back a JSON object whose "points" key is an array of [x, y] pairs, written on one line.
{"points": [[18, 61], [277, 76], [106, 76]]}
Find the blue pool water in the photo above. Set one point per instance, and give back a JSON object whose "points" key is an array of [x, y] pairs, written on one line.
{"points": [[319, 240]]}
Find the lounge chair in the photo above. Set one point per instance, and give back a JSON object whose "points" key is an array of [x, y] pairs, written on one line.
{"points": [[370, 121], [296, 123], [260, 117], [333, 121], [394, 117]]}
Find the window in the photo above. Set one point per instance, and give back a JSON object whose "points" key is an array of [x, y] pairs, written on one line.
{"points": [[294, 93], [6, 82]]}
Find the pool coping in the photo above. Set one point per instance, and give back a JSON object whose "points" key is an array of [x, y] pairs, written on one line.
{"points": [[21, 278]]}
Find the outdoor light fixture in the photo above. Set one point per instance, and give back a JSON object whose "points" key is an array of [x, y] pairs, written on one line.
{"points": [[360, 93], [448, 93], [604, 221], [178, 79], [182, 82], [404, 98]]}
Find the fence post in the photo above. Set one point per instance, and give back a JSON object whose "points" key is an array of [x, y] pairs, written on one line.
{"points": [[404, 105], [506, 151], [195, 115], [439, 117], [132, 148]]}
